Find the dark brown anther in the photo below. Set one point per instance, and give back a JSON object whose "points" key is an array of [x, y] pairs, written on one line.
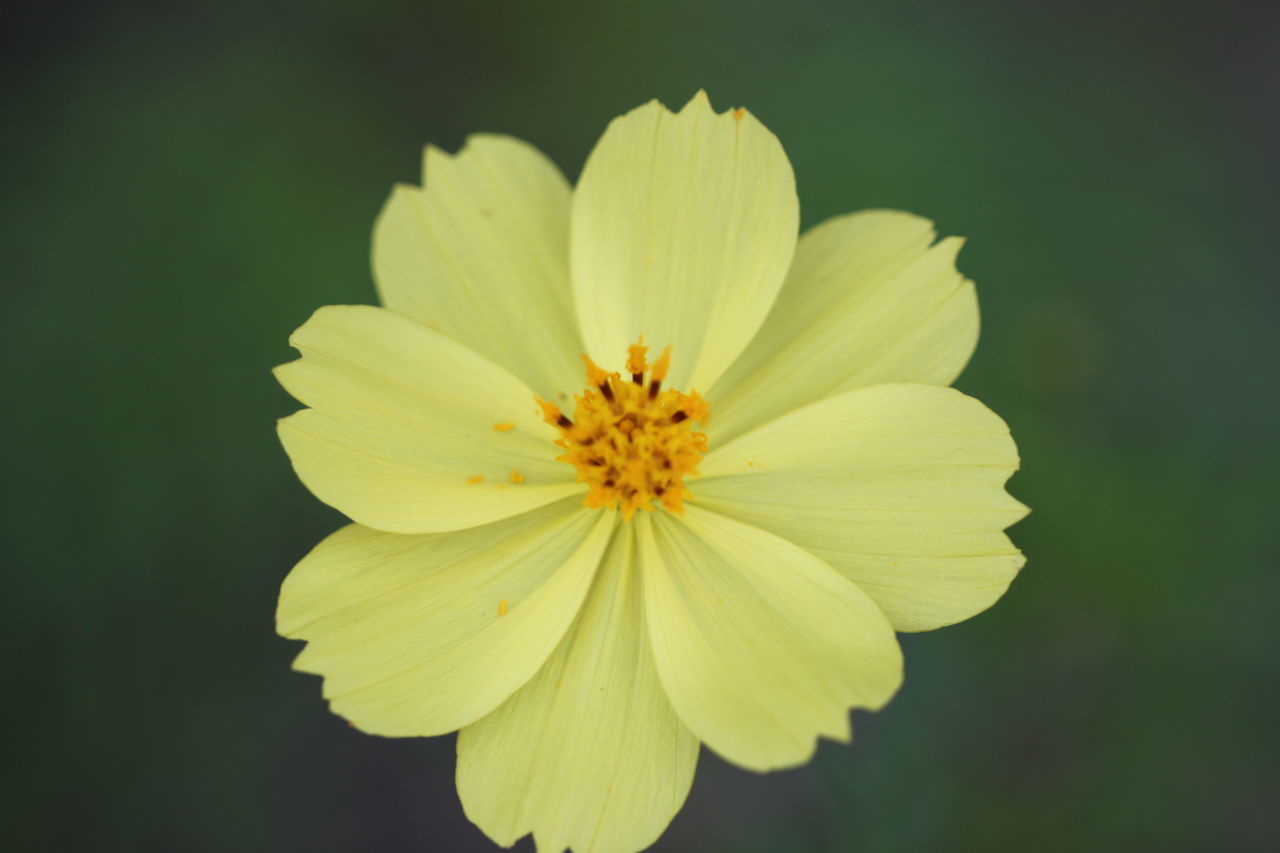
{"points": [[659, 491], [606, 391], [564, 422], [654, 387], [679, 416], [637, 378]]}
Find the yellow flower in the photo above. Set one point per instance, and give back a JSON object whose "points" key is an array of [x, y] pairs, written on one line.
{"points": [[714, 546]]}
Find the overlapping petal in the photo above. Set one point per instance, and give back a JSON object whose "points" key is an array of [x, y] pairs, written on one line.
{"points": [[589, 754], [682, 230], [420, 635], [761, 646], [899, 487], [401, 432], [481, 253], [870, 299]]}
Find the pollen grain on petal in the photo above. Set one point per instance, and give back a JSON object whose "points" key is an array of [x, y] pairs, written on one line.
{"points": [[505, 427], [517, 477], [502, 607], [478, 478]]}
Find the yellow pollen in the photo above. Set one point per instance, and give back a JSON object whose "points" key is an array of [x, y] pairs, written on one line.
{"points": [[739, 113], [507, 427], [635, 357], [517, 477], [632, 441], [502, 607], [476, 479]]}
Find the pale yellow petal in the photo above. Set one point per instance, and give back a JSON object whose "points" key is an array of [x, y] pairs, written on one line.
{"points": [[683, 227], [589, 754], [761, 646], [481, 253], [899, 487], [401, 432], [870, 298], [421, 635]]}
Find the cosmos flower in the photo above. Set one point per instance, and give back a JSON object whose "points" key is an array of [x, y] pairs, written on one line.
{"points": [[632, 470]]}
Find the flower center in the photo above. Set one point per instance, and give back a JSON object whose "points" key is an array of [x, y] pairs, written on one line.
{"points": [[631, 441]]}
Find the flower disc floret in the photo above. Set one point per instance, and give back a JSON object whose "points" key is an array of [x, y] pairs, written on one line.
{"points": [[631, 441]]}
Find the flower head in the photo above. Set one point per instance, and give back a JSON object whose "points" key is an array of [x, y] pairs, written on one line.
{"points": [[589, 578]]}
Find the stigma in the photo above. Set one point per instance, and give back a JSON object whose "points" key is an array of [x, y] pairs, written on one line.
{"points": [[632, 441]]}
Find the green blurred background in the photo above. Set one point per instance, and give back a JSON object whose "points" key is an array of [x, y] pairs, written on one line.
{"points": [[185, 185]]}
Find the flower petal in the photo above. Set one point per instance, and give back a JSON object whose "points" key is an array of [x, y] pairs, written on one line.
{"points": [[589, 754], [761, 646], [868, 300], [421, 635], [481, 253], [683, 227], [900, 487], [402, 422]]}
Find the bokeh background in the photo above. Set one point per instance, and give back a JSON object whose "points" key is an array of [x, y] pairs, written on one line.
{"points": [[184, 184]]}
